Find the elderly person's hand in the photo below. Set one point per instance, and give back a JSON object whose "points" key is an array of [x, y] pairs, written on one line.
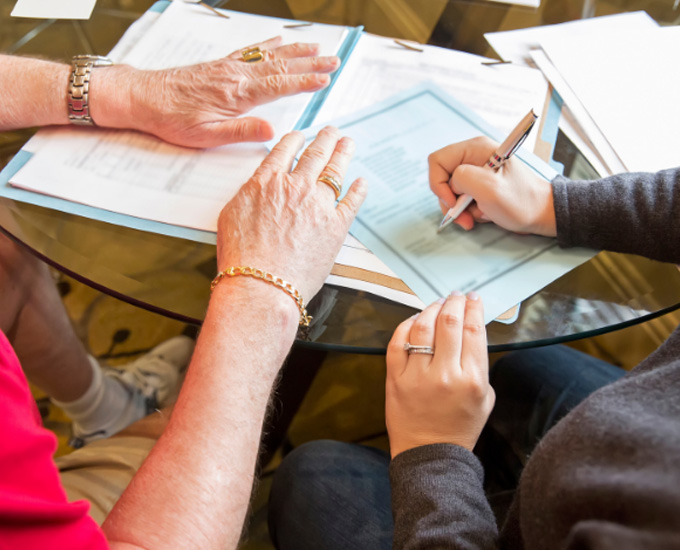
{"points": [[200, 105], [515, 197], [444, 397], [286, 222]]}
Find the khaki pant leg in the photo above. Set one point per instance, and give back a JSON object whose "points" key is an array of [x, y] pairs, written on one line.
{"points": [[100, 472]]}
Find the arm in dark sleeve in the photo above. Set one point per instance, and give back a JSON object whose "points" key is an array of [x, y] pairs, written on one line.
{"points": [[635, 213], [438, 500]]}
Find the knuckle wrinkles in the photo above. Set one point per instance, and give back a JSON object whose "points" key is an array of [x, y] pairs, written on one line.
{"points": [[280, 65], [344, 147], [315, 155], [421, 330], [451, 320], [474, 327], [333, 171], [277, 82]]}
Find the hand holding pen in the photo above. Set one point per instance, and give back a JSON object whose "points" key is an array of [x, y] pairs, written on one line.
{"points": [[508, 148], [515, 198]]}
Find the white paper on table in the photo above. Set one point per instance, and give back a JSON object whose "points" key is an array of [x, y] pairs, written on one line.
{"points": [[379, 68], [54, 9], [140, 175], [515, 45], [612, 162], [399, 218], [629, 85]]}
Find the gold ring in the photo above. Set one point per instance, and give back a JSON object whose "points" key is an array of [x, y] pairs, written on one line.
{"points": [[252, 55], [332, 183], [418, 350]]}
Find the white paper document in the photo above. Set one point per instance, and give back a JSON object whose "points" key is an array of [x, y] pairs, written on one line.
{"points": [[515, 45], [400, 216], [629, 86], [379, 68], [54, 9]]}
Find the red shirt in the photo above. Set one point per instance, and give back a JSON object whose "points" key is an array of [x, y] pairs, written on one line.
{"points": [[34, 510]]}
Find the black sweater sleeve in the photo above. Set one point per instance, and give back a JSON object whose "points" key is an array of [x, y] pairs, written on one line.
{"points": [[634, 213], [438, 500]]}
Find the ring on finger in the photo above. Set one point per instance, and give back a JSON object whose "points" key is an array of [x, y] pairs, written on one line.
{"points": [[333, 183], [252, 55], [418, 350]]}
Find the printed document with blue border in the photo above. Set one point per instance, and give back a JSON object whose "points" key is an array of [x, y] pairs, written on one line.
{"points": [[399, 219]]}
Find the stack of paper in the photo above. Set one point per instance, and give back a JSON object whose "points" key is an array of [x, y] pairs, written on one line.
{"points": [[616, 79]]}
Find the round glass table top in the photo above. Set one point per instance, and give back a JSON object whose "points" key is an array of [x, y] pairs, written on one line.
{"points": [[172, 276]]}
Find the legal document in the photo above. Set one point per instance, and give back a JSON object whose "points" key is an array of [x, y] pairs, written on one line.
{"points": [[379, 68], [400, 216], [516, 45]]}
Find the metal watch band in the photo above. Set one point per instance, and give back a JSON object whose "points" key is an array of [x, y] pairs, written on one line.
{"points": [[79, 87]]}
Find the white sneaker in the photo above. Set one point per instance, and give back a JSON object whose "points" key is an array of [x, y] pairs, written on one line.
{"points": [[151, 382]]}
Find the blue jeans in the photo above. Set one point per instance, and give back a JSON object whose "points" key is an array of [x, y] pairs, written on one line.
{"points": [[332, 495]]}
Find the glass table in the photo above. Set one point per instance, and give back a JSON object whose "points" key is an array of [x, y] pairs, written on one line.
{"points": [[171, 276]]}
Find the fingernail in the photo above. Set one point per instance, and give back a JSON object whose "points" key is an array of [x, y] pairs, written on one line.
{"points": [[441, 301], [473, 296], [444, 203], [414, 317], [456, 293]]}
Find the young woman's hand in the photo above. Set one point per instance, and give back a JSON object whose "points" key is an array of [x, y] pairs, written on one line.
{"points": [[444, 397]]}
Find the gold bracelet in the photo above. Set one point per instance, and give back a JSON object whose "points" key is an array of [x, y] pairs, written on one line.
{"points": [[272, 280]]}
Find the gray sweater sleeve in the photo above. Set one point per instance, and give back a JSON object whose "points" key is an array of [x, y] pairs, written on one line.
{"points": [[438, 500], [635, 213]]}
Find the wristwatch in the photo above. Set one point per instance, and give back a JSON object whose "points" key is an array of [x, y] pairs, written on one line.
{"points": [[79, 87]]}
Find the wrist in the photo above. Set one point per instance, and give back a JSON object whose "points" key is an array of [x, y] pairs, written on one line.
{"points": [[111, 101], [545, 223], [261, 300]]}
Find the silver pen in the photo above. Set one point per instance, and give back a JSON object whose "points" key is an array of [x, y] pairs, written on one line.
{"points": [[506, 149]]}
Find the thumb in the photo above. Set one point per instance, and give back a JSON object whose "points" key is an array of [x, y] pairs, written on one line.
{"points": [[349, 206], [235, 130]]}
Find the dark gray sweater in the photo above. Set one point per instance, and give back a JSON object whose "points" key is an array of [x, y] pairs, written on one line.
{"points": [[608, 475]]}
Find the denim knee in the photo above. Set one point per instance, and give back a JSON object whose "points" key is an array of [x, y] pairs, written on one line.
{"points": [[328, 494]]}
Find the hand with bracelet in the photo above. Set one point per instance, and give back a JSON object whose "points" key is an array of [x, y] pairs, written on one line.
{"points": [[285, 222], [195, 106]]}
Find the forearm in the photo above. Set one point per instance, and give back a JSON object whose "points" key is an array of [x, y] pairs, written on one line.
{"points": [[194, 488], [438, 500], [33, 91], [634, 213]]}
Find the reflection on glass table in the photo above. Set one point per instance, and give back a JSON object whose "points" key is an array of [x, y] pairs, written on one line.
{"points": [[172, 276]]}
